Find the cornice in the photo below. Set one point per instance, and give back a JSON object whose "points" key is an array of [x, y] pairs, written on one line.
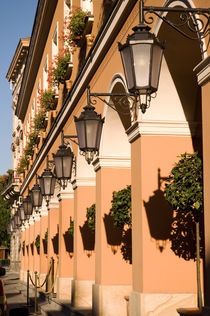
{"points": [[111, 162], [83, 182], [161, 128], [65, 195]]}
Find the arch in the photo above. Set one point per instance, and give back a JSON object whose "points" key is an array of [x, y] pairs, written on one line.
{"points": [[180, 58], [116, 122]]}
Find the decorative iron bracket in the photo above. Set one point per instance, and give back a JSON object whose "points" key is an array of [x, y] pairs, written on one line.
{"points": [[122, 100], [197, 20]]}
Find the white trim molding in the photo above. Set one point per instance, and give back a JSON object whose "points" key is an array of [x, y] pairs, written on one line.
{"points": [[161, 128], [111, 162], [83, 182], [65, 195], [202, 71], [53, 204]]}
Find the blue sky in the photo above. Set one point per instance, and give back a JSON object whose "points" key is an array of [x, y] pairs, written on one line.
{"points": [[16, 21]]}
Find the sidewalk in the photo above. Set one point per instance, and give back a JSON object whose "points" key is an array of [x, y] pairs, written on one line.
{"points": [[16, 297]]}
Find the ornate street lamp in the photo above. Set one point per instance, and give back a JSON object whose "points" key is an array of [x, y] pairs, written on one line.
{"points": [[89, 128], [21, 213], [47, 183], [63, 160], [28, 205], [36, 196], [141, 57], [17, 220]]}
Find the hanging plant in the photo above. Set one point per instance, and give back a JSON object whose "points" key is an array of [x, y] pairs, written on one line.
{"points": [[39, 122], [70, 230], [46, 236], [47, 100], [58, 70], [184, 191], [37, 243], [91, 215], [23, 164], [75, 25], [121, 207]]}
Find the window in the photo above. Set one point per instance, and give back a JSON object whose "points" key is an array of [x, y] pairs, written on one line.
{"points": [[45, 74], [55, 42], [87, 5]]}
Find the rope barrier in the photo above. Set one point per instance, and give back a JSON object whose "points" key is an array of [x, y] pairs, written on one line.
{"points": [[31, 280], [47, 275], [52, 286]]}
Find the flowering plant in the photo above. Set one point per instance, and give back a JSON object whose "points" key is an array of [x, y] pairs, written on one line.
{"points": [[74, 27], [39, 121], [23, 164], [58, 70], [47, 99]]}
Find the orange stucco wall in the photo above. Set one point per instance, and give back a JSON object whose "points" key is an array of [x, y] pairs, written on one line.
{"points": [[155, 270], [84, 260], [110, 266]]}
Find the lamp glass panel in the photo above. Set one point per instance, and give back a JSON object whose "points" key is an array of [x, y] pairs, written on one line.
{"points": [[128, 66], [58, 166], [100, 126], [47, 185], [156, 65], [52, 188], [91, 133], [67, 166], [142, 61], [80, 126], [41, 182], [37, 198]]}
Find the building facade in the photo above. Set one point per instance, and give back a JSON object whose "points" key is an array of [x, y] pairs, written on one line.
{"points": [[101, 268]]}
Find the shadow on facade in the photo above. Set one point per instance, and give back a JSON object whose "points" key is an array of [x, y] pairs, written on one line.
{"points": [[88, 239]]}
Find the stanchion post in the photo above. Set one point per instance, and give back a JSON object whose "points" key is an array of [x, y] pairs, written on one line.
{"points": [[35, 294], [27, 293], [52, 275]]}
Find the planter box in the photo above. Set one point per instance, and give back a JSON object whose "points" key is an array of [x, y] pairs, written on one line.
{"points": [[189, 312]]}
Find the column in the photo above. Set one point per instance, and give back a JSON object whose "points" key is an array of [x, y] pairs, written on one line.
{"points": [[65, 272], [23, 254], [84, 253], [161, 281], [203, 76], [53, 233], [113, 273], [43, 244]]}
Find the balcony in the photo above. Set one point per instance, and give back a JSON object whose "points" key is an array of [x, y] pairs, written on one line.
{"points": [[11, 187]]}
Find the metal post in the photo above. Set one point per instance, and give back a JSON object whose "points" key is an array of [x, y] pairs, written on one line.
{"points": [[52, 275], [27, 295], [35, 294]]}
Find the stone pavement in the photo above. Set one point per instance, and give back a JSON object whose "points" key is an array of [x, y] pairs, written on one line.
{"points": [[16, 297]]}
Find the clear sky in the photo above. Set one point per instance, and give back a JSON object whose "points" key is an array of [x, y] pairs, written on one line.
{"points": [[16, 21]]}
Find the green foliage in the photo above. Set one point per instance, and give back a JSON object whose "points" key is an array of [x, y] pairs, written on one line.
{"points": [[23, 164], [46, 236], [24, 244], [121, 207], [37, 242], [76, 25], [70, 230], [61, 64], [5, 218], [39, 121], [91, 216], [184, 190], [47, 100]]}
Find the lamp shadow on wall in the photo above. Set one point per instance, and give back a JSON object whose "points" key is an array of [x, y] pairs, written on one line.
{"points": [[32, 248], [44, 243], [69, 243], [55, 244], [159, 215], [118, 238], [88, 238]]}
